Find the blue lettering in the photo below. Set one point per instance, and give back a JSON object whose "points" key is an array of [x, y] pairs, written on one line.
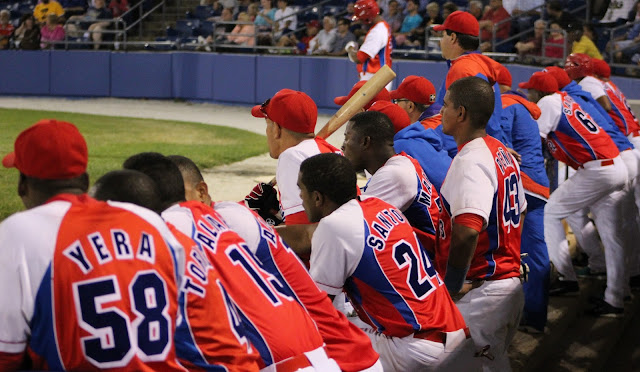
{"points": [[76, 254]]}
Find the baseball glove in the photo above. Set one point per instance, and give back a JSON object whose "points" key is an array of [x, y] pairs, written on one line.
{"points": [[263, 199]]}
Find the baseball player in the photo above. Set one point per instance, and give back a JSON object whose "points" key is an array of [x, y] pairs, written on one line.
{"points": [[518, 122], [376, 49], [459, 46], [398, 179], [207, 337], [281, 330], [97, 286], [346, 343], [383, 95], [417, 96], [291, 120], [483, 205], [574, 138], [367, 247]]}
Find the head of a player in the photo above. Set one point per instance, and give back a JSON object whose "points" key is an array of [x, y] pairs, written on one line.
{"points": [[52, 158], [130, 186], [461, 30], [326, 182], [540, 84], [163, 172], [561, 76], [194, 186], [291, 118], [368, 140], [414, 95], [468, 105], [383, 95], [578, 65], [367, 12], [601, 69]]}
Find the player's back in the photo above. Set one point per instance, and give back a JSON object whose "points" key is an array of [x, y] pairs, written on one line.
{"points": [[99, 287], [346, 344], [621, 112], [394, 287], [278, 326]]}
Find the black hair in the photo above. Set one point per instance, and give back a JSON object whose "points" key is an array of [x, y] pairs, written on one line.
{"points": [[555, 5], [466, 41], [163, 171], [51, 188], [344, 21], [330, 174], [126, 185], [190, 171], [476, 96], [420, 106], [375, 125]]}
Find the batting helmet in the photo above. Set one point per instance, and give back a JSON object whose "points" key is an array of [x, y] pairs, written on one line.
{"points": [[365, 10], [601, 68], [578, 65]]}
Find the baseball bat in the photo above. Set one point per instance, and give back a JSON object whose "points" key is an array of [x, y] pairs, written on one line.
{"points": [[365, 94]]}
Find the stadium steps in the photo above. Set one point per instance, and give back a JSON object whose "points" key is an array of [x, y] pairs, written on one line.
{"points": [[155, 25], [574, 340]]}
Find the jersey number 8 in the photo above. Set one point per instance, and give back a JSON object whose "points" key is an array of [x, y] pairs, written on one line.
{"points": [[115, 339]]}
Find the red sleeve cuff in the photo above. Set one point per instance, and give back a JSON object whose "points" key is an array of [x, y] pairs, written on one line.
{"points": [[299, 218], [11, 361], [470, 220], [362, 57]]}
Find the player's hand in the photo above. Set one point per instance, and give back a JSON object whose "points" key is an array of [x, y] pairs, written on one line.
{"points": [[263, 199], [515, 155]]}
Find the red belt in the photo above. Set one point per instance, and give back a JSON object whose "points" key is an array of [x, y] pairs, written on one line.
{"points": [[293, 364], [437, 336], [604, 163]]}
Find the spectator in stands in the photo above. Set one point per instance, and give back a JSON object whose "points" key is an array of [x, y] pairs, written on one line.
{"points": [[285, 17], [520, 7], [410, 26], [118, 7], [243, 34], [264, 19], [302, 44], [229, 4], [498, 16], [252, 11], [433, 15], [624, 47], [6, 29], [95, 20], [555, 42], [343, 36], [45, 7], [27, 35], [73, 7], [51, 31], [448, 8], [323, 41], [580, 42], [556, 13], [394, 16], [533, 46], [475, 8], [634, 13], [617, 13]]}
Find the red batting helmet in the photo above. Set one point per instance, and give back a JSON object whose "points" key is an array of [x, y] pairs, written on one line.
{"points": [[578, 65], [365, 10]]}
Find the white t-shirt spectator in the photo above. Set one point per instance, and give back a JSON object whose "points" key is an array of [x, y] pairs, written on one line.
{"points": [[282, 16]]}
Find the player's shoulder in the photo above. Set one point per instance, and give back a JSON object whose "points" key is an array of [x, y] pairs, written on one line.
{"points": [[550, 102], [23, 225], [300, 152], [342, 219]]}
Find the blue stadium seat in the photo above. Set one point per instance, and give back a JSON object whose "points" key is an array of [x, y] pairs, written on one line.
{"points": [[202, 12], [187, 27], [205, 29]]}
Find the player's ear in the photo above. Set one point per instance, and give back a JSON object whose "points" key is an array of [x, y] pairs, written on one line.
{"points": [[317, 198], [202, 189], [462, 113]]}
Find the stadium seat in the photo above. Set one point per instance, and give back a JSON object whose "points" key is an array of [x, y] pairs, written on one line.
{"points": [[205, 29], [187, 27]]}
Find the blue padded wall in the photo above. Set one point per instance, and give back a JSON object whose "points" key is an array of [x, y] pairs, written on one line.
{"points": [[274, 73], [323, 79], [141, 75], [192, 75], [234, 78], [25, 72], [72, 70]]}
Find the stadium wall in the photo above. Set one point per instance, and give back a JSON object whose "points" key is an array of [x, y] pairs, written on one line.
{"points": [[225, 78]]}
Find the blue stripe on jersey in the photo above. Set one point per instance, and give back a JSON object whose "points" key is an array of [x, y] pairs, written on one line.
{"points": [[619, 114], [381, 55], [356, 298], [418, 212], [559, 144], [566, 128], [370, 272], [492, 231], [43, 335]]}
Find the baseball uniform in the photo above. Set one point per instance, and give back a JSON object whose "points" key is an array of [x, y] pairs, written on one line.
{"points": [[277, 325], [521, 131], [208, 336], [573, 138], [346, 344], [484, 180], [287, 176], [96, 287], [424, 145], [402, 183], [378, 46], [368, 248], [622, 114]]}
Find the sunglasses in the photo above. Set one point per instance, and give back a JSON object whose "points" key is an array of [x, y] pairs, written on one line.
{"points": [[396, 101], [263, 108]]}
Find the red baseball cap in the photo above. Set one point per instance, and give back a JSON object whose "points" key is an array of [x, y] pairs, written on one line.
{"points": [[461, 22], [291, 109], [416, 89], [383, 95], [601, 68], [542, 81], [49, 150], [504, 76], [560, 75], [399, 117]]}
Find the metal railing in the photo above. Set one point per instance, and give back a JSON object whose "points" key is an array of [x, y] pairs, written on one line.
{"points": [[119, 32], [611, 54], [139, 8]]}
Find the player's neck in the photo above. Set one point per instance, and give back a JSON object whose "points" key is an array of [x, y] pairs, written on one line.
{"points": [[468, 135], [379, 159]]}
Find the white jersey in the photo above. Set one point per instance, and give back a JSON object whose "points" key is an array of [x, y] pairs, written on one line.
{"points": [[395, 183], [593, 86]]}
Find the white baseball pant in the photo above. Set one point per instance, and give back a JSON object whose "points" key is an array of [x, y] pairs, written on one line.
{"points": [[492, 312], [318, 358]]}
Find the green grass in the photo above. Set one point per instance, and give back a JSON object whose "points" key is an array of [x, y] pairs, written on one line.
{"points": [[113, 139]]}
